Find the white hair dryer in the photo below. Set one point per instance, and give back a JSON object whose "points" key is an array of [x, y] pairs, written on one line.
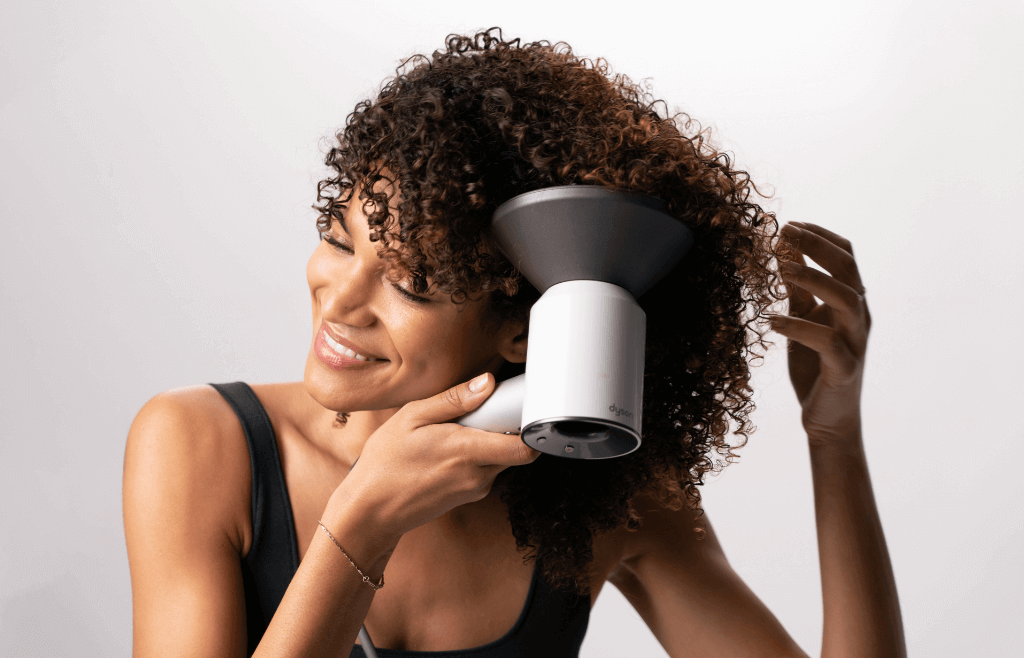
{"points": [[591, 252]]}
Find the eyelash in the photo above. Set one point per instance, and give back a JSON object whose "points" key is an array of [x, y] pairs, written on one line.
{"points": [[344, 248]]}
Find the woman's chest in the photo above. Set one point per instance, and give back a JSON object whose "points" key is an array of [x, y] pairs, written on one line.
{"points": [[457, 582]]}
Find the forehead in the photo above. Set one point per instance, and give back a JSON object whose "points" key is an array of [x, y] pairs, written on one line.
{"points": [[386, 183], [354, 222], [354, 218]]}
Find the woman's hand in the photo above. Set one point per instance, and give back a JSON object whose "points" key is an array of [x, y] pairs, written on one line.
{"points": [[416, 466], [828, 340]]}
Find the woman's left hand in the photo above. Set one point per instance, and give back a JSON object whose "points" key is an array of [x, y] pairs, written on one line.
{"points": [[828, 340]]}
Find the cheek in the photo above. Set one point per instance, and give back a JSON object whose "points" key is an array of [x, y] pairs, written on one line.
{"points": [[427, 344], [465, 346]]}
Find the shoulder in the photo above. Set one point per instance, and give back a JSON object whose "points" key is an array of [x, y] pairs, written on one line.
{"points": [[186, 496], [186, 460], [682, 537], [675, 574], [193, 413]]}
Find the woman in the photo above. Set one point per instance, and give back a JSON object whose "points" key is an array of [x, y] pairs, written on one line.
{"points": [[251, 529]]}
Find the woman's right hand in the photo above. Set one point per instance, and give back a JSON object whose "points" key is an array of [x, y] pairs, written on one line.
{"points": [[416, 466]]}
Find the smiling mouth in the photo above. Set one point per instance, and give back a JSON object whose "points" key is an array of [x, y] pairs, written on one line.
{"points": [[338, 357], [344, 351]]}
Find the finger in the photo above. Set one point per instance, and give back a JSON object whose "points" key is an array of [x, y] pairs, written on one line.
{"points": [[495, 449], [841, 297], [836, 260], [801, 302], [454, 402], [836, 356], [834, 238]]}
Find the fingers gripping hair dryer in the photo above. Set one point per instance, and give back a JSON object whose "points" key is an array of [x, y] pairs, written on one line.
{"points": [[591, 252]]}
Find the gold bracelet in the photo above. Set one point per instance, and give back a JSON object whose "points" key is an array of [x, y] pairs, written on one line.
{"points": [[366, 579]]}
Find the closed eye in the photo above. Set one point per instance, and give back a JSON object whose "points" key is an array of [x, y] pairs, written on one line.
{"points": [[346, 249]]}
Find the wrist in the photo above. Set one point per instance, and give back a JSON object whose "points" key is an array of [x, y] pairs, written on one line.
{"points": [[360, 534], [843, 437], [838, 456]]}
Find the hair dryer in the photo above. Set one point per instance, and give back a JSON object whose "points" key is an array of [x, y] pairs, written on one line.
{"points": [[591, 251]]}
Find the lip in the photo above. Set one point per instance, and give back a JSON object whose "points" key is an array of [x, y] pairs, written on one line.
{"points": [[336, 361], [349, 344]]}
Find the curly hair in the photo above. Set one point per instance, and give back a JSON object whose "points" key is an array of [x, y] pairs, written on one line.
{"points": [[464, 130]]}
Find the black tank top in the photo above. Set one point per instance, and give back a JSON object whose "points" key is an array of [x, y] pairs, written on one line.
{"points": [[552, 622]]}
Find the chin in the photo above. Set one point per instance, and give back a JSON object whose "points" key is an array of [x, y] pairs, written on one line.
{"points": [[332, 392], [325, 387]]}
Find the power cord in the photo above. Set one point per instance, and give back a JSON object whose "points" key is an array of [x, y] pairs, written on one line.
{"points": [[364, 640]]}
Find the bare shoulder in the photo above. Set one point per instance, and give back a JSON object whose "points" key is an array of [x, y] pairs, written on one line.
{"points": [[683, 532], [186, 523], [675, 575], [186, 458]]}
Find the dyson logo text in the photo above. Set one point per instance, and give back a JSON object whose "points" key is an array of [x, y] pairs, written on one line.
{"points": [[620, 412]]}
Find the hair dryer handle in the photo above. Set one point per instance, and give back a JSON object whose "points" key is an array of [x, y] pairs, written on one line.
{"points": [[502, 411]]}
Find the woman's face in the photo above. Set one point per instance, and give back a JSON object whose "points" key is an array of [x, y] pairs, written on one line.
{"points": [[422, 347]]}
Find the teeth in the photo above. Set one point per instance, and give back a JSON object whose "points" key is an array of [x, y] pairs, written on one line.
{"points": [[341, 349]]}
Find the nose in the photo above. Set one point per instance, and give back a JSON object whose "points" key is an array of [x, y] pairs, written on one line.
{"points": [[346, 289]]}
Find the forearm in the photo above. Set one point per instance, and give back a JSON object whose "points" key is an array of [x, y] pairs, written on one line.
{"points": [[326, 602], [861, 606]]}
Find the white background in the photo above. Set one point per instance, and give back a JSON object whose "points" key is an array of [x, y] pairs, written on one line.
{"points": [[158, 161]]}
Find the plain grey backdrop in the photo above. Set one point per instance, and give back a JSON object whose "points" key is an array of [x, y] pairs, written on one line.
{"points": [[158, 161]]}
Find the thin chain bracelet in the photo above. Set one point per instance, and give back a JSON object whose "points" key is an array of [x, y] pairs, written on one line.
{"points": [[366, 579]]}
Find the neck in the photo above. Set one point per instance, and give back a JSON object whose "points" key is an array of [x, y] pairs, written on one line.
{"points": [[341, 443], [352, 436]]}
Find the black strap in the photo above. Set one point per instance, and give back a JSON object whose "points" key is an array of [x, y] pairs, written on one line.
{"points": [[273, 557]]}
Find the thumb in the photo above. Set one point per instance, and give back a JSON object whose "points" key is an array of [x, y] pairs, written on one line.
{"points": [[455, 401]]}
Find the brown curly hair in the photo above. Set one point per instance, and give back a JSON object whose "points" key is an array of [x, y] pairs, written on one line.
{"points": [[469, 127]]}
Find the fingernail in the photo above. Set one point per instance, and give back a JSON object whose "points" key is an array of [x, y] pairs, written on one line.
{"points": [[479, 383]]}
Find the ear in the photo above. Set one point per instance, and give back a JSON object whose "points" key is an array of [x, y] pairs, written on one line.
{"points": [[512, 341]]}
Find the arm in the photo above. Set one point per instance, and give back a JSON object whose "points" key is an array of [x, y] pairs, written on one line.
{"points": [[862, 610], [688, 594], [325, 604], [182, 533], [186, 502], [696, 605], [827, 346]]}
